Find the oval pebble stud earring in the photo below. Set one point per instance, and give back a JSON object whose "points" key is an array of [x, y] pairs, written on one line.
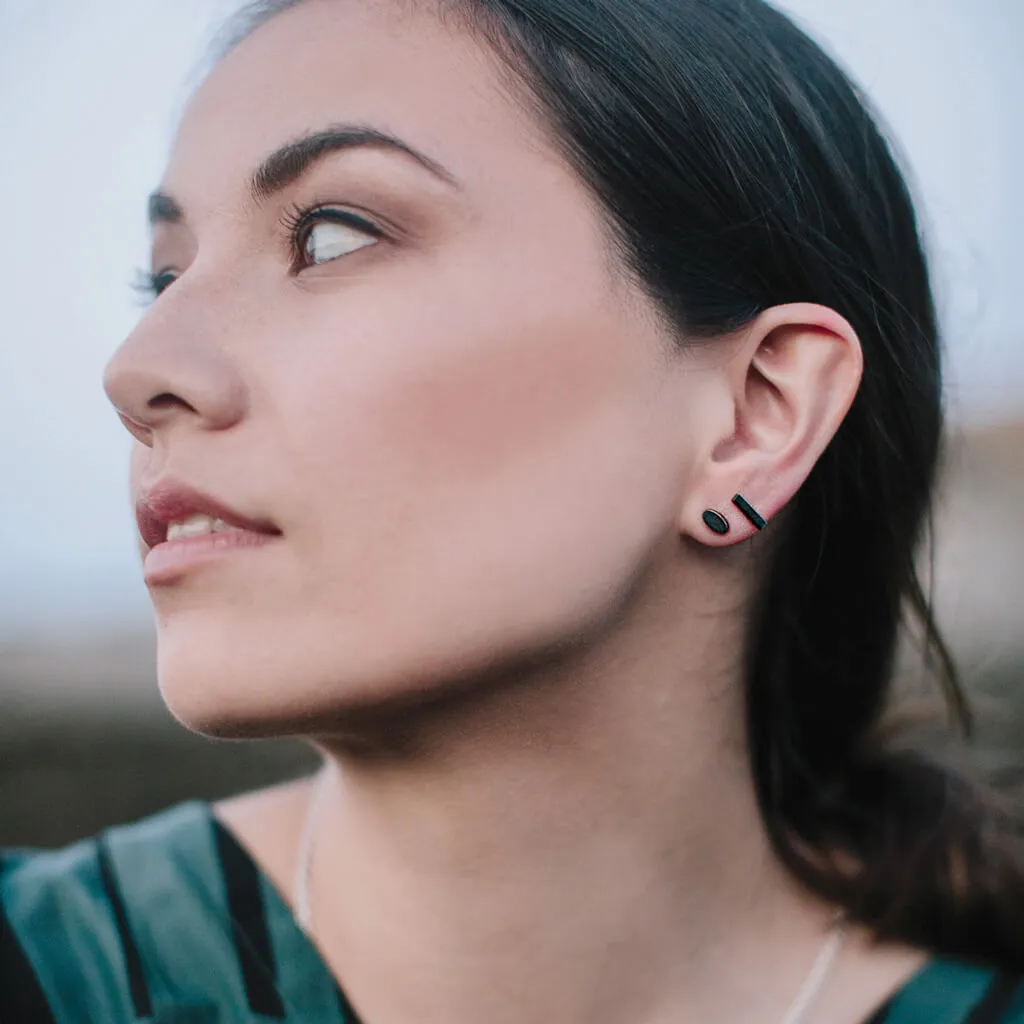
{"points": [[715, 522]]}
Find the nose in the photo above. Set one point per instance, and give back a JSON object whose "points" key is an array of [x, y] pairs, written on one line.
{"points": [[165, 374]]}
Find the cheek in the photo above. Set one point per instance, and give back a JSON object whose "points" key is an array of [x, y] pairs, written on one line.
{"points": [[465, 455], [454, 390], [501, 391]]}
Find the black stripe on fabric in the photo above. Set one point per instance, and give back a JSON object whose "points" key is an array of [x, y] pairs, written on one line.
{"points": [[21, 994], [137, 987], [881, 1015], [348, 1015], [996, 1002], [251, 933]]}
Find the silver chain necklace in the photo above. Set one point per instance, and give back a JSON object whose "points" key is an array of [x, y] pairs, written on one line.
{"points": [[810, 990]]}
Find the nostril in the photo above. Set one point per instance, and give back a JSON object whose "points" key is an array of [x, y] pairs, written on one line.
{"points": [[168, 400]]}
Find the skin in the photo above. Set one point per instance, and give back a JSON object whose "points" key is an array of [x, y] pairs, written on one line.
{"points": [[493, 605]]}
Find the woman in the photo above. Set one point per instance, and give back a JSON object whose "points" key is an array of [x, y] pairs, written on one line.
{"points": [[538, 412]]}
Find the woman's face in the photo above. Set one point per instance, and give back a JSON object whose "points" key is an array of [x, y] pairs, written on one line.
{"points": [[453, 426]]}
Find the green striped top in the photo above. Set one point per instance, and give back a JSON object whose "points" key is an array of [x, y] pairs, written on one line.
{"points": [[169, 920]]}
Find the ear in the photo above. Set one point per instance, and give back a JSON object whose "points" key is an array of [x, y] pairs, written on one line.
{"points": [[791, 382]]}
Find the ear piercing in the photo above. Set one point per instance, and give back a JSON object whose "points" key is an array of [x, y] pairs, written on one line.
{"points": [[717, 523], [749, 511]]}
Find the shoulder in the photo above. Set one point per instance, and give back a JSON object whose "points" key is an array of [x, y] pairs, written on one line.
{"points": [[956, 992], [166, 919], [75, 923]]}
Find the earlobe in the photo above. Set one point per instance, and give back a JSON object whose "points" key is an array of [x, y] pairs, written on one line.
{"points": [[720, 526]]}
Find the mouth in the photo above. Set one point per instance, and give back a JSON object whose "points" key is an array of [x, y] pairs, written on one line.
{"points": [[179, 524]]}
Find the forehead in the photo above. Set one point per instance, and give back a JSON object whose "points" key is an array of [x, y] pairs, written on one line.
{"points": [[391, 65]]}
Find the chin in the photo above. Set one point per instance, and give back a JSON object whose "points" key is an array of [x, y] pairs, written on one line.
{"points": [[235, 676], [246, 676], [243, 672]]}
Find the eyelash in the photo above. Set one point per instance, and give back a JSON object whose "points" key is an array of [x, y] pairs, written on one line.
{"points": [[297, 221], [150, 285]]}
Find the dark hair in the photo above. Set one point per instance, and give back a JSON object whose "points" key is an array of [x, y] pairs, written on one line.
{"points": [[740, 169]]}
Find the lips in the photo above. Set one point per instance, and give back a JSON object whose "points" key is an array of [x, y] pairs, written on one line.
{"points": [[170, 502]]}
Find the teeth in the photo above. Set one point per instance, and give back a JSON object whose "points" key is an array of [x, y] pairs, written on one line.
{"points": [[196, 525]]}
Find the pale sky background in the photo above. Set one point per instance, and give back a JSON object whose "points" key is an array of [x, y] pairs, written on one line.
{"points": [[89, 94]]}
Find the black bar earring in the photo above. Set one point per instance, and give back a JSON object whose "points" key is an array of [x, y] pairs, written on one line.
{"points": [[715, 522], [749, 511]]}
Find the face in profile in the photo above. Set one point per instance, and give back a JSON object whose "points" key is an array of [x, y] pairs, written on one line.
{"points": [[402, 419]]}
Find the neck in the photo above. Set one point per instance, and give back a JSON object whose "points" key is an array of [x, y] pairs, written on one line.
{"points": [[581, 847]]}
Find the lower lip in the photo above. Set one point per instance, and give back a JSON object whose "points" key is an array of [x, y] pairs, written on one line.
{"points": [[167, 562]]}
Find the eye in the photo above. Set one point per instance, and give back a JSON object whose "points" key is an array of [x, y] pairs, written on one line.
{"points": [[160, 282], [152, 284], [327, 234]]}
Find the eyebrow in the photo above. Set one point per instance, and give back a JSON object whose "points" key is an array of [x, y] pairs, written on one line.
{"points": [[291, 161], [164, 210]]}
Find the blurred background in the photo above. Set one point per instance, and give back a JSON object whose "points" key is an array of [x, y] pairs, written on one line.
{"points": [[89, 96]]}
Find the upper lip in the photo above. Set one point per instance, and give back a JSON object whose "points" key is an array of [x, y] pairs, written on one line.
{"points": [[170, 501]]}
